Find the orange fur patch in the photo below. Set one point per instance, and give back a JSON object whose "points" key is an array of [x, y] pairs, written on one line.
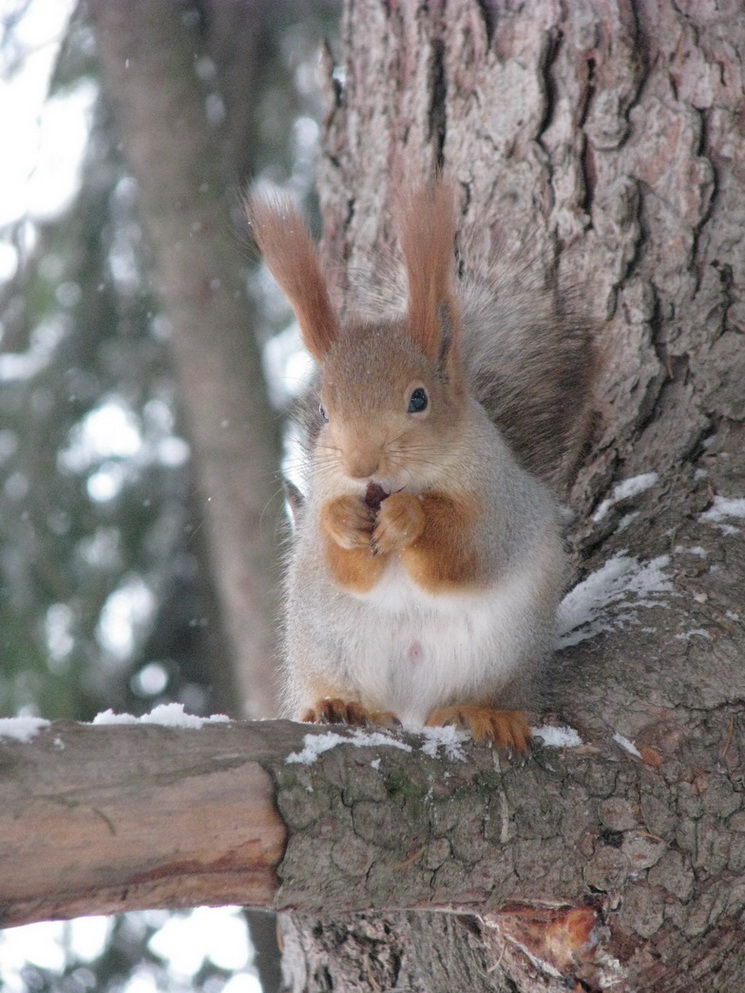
{"points": [[444, 556], [354, 569], [350, 555]]}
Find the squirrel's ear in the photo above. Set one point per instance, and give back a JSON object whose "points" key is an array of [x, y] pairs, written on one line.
{"points": [[426, 218], [291, 256]]}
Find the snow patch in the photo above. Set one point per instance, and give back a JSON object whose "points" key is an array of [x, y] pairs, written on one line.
{"points": [[316, 744], [557, 737], [624, 490], [21, 728], [724, 507], [693, 550], [109, 717], [626, 521], [166, 714], [173, 715], [445, 742], [447, 737], [701, 632], [583, 612], [628, 746]]}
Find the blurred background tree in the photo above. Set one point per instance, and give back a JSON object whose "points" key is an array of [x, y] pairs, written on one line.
{"points": [[134, 325]]}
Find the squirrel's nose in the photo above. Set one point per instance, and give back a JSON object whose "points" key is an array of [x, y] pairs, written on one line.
{"points": [[361, 465]]}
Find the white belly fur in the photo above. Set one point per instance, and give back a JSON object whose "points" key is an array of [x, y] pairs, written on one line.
{"points": [[416, 651]]}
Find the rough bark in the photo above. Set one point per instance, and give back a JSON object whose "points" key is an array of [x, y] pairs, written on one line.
{"points": [[608, 135], [147, 62]]}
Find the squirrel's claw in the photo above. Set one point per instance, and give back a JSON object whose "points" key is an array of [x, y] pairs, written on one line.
{"points": [[507, 729], [334, 710]]}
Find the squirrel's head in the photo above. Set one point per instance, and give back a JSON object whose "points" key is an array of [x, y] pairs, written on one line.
{"points": [[392, 389]]}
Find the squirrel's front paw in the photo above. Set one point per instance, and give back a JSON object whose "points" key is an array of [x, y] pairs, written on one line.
{"points": [[349, 521], [399, 523]]}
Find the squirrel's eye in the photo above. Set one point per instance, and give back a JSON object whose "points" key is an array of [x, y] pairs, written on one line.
{"points": [[418, 401], [322, 412]]}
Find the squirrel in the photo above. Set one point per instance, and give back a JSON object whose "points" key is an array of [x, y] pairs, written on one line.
{"points": [[427, 563]]}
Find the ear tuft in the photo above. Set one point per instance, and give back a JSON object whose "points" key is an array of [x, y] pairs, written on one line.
{"points": [[292, 258], [426, 218]]}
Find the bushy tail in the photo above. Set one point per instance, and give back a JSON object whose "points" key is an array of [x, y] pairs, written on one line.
{"points": [[531, 362]]}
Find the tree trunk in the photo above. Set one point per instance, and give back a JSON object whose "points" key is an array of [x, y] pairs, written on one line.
{"points": [[147, 61], [608, 135]]}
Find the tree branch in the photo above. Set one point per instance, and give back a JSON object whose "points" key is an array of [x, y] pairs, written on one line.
{"points": [[106, 819], [97, 819]]}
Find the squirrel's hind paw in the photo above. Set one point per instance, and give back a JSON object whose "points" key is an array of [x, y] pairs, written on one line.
{"points": [[507, 729], [334, 710]]}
